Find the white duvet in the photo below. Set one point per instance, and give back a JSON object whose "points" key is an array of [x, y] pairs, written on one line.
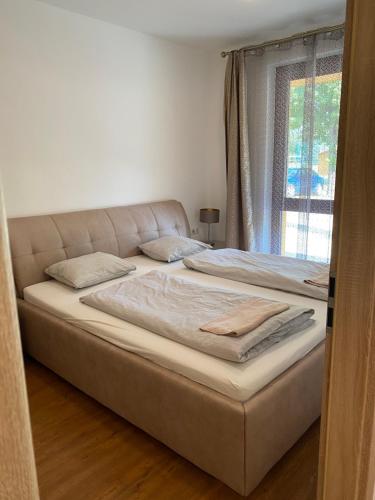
{"points": [[261, 269]]}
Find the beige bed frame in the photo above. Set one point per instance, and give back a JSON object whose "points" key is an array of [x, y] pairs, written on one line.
{"points": [[237, 442]]}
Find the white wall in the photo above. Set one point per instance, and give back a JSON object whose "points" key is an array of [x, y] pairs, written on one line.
{"points": [[93, 115], [216, 168]]}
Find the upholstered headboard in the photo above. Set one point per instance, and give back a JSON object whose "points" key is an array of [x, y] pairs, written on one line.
{"points": [[36, 242]]}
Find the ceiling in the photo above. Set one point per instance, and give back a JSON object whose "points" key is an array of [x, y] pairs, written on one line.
{"points": [[212, 23]]}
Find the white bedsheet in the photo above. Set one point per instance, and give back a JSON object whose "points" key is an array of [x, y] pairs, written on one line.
{"points": [[238, 381]]}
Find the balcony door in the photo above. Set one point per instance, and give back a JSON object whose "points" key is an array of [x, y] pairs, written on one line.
{"points": [[307, 107]]}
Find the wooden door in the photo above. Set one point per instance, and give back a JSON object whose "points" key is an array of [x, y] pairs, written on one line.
{"points": [[347, 451], [17, 467]]}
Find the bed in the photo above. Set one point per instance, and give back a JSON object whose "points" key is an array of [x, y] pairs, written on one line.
{"points": [[235, 421]]}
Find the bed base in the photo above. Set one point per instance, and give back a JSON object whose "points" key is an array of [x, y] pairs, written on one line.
{"points": [[238, 443]]}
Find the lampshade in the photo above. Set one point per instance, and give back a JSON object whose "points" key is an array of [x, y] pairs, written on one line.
{"points": [[209, 215]]}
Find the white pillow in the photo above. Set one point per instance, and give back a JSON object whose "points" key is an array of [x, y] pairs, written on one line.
{"points": [[171, 248], [89, 270]]}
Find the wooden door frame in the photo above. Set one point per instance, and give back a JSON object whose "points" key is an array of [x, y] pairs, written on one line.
{"points": [[18, 478], [347, 450]]}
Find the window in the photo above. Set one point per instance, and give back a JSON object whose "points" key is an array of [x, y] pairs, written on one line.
{"points": [[305, 149]]}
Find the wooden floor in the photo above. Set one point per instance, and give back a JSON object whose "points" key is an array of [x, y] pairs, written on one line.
{"points": [[84, 451]]}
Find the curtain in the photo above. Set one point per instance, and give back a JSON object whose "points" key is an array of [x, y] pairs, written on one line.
{"points": [[239, 206], [294, 94]]}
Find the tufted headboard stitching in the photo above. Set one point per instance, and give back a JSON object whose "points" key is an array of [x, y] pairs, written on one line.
{"points": [[39, 241]]}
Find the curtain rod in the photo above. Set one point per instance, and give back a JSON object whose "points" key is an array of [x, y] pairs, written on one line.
{"points": [[327, 29]]}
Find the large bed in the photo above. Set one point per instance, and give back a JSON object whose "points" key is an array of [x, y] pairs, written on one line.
{"points": [[233, 420]]}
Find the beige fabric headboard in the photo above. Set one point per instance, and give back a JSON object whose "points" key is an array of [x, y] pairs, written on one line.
{"points": [[36, 242]]}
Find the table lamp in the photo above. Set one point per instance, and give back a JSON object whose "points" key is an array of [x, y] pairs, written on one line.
{"points": [[209, 216]]}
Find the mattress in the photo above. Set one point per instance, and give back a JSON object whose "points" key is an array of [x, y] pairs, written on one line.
{"points": [[238, 381]]}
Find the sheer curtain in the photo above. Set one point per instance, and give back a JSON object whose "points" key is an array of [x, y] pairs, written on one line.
{"points": [[294, 93]]}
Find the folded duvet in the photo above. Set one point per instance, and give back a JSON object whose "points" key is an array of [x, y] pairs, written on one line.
{"points": [[267, 270], [176, 308]]}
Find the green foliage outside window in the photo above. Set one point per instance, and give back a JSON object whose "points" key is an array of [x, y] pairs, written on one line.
{"points": [[326, 98]]}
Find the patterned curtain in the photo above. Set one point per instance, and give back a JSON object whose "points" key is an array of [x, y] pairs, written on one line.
{"points": [[239, 207]]}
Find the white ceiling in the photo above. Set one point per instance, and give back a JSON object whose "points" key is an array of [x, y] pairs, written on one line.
{"points": [[212, 23]]}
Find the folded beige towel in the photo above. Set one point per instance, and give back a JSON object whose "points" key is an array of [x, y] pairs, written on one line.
{"points": [[321, 280], [245, 317]]}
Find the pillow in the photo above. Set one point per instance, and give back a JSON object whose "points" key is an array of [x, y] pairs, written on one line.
{"points": [[171, 248], [89, 270]]}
